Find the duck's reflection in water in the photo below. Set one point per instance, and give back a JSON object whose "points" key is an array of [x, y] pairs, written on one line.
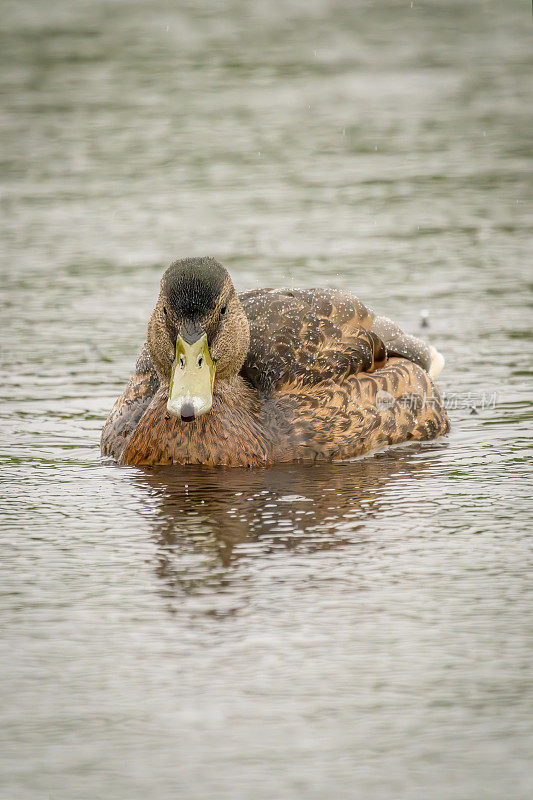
{"points": [[206, 520]]}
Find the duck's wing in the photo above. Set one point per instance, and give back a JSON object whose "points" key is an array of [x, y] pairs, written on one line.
{"points": [[303, 337], [130, 406]]}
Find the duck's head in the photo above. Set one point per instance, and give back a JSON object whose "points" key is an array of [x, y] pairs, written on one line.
{"points": [[198, 334]]}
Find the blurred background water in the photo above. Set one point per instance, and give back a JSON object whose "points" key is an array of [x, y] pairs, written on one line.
{"points": [[350, 630]]}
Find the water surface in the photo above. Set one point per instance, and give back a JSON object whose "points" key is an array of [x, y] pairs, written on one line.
{"points": [[349, 630]]}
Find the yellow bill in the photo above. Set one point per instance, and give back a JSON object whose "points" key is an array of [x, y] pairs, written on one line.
{"points": [[191, 382]]}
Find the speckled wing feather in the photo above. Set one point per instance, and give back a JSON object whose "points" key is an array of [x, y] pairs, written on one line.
{"points": [[308, 336], [320, 333], [129, 407]]}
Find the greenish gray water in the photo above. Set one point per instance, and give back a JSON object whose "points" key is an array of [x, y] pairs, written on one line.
{"points": [[353, 630]]}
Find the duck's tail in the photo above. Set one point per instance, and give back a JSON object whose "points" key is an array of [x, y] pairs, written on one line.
{"points": [[437, 362]]}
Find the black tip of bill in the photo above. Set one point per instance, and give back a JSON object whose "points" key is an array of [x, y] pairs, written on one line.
{"points": [[187, 412]]}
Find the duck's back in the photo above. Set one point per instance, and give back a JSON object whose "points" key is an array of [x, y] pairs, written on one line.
{"points": [[311, 335], [316, 356]]}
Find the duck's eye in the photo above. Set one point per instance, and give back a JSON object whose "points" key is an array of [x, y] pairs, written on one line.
{"points": [[200, 361], [164, 311], [223, 309]]}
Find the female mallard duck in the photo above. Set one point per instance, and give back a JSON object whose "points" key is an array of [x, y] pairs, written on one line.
{"points": [[269, 375]]}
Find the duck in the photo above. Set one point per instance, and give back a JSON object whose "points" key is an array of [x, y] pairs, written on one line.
{"points": [[269, 376]]}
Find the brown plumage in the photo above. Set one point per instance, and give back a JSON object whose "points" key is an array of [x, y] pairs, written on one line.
{"points": [[300, 375]]}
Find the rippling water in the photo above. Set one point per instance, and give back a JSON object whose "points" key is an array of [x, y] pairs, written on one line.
{"points": [[338, 631]]}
